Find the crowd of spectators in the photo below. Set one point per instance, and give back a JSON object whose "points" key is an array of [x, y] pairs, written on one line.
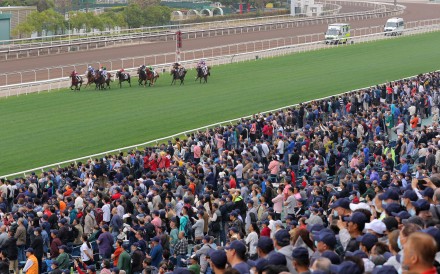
{"points": [[347, 184]]}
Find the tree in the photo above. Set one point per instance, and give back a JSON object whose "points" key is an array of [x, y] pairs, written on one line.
{"points": [[144, 3], [53, 21], [134, 16], [157, 15]]}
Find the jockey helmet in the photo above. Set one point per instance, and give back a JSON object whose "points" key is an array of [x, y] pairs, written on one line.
{"points": [[104, 68], [90, 67], [121, 70]]}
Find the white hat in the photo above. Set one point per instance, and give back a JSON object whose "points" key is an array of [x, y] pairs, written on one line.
{"points": [[354, 207], [140, 180], [377, 226]]}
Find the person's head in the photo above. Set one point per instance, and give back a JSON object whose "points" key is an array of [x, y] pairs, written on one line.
{"points": [[300, 259], [405, 232], [181, 234], [366, 242], [62, 248], [282, 238], [356, 222], [419, 252], [321, 264], [236, 252], [29, 252], [217, 259], [324, 241], [264, 246]]}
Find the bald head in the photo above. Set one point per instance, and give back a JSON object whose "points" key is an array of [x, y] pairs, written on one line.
{"points": [[419, 252]]}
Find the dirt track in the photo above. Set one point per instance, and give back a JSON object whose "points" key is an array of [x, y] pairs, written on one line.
{"points": [[413, 12]]}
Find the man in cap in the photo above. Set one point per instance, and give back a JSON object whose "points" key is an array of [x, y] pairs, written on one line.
{"points": [[194, 264], [55, 243], [300, 260], [367, 241], [137, 257], [350, 228], [20, 235], [341, 207], [346, 267], [282, 244], [55, 268], [105, 242], [37, 246], [124, 260], [251, 214], [217, 260], [12, 250], [63, 259], [325, 240], [264, 247], [31, 266], [156, 252], [181, 248], [236, 255]]}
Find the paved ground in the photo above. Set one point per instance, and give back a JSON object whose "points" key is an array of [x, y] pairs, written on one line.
{"points": [[414, 11]]}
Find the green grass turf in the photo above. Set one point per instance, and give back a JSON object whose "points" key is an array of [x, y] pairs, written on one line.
{"points": [[40, 129]]}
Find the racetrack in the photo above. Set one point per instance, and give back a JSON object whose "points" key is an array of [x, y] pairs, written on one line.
{"points": [[40, 129], [414, 11]]}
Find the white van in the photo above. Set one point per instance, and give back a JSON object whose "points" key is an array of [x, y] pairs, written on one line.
{"points": [[394, 26], [337, 33]]}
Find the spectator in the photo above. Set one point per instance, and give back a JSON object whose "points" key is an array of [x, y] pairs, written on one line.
{"points": [[31, 266], [236, 255]]}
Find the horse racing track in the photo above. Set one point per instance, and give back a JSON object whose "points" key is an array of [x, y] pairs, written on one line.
{"points": [[45, 128]]}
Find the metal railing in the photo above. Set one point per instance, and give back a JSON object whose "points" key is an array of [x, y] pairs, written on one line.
{"points": [[13, 51], [48, 73], [226, 60]]}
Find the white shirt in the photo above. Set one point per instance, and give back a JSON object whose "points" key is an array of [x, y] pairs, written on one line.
{"points": [[84, 256], [79, 203], [272, 228], [239, 171], [252, 240], [106, 214]]}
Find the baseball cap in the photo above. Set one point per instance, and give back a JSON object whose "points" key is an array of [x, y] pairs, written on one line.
{"points": [[428, 192], [315, 228], [410, 194], [63, 247], [282, 236], [237, 246], [30, 249], [218, 257], [421, 205], [341, 202], [265, 243], [357, 253], [276, 259], [392, 207], [332, 256], [327, 238], [156, 239], [346, 267], [62, 221], [357, 206], [357, 218], [300, 253], [434, 232], [368, 240], [402, 215], [260, 264], [384, 269], [377, 226], [389, 194]]}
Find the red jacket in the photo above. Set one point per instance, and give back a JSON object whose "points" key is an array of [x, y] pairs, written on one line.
{"points": [[265, 232]]}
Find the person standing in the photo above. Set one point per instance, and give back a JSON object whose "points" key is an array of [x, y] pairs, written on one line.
{"points": [[12, 249], [31, 266], [156, 252], [37, 246], [124, 261], [105, 243], [86, 251], [20, 235]]}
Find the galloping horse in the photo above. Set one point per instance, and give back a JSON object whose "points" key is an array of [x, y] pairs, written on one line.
{"points": [[203, 74], [151, 76], [77, 81], [123, 76], [142, 76], [178, 74], [90, 77], [102, 82]]}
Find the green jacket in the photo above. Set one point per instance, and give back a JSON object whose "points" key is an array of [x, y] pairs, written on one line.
{"points": [[63, 261], [369, 191], [194, 268], [124, 262]]}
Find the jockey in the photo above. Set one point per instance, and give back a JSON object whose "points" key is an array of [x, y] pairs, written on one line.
{"points": [[201, 63], [104, 72], [121, 70], [91, 70], [152, 70]]}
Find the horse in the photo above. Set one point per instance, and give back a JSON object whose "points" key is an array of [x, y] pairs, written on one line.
{"points": [[123, 76], [151, 77], [202, 75], [77, 81], [90, 77], [102, 82], [178, 74], [142, 77]]}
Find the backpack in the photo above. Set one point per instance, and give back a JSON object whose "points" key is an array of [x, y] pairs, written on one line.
{"points": [[99, 215]]}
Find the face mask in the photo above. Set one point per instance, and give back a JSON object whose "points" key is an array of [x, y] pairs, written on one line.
{"points": [[316, 243], [402, 203], [384, 204], [351, 197], [412, 212], [399, 244], [335, 214]]}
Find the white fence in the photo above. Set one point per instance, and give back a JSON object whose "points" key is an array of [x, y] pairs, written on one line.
{"points": [[218, 61], [18, 49], [42, 74]]}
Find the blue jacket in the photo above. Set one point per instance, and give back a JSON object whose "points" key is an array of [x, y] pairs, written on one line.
{"points": [[156, 255]]}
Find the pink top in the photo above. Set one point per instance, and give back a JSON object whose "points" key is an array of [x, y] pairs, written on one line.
{"points": [[157, 222], [274, 167], [278, 203], [197, 152]]}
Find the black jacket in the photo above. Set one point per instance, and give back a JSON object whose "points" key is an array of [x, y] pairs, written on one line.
{"points": [[11, 248], [37, 245]]}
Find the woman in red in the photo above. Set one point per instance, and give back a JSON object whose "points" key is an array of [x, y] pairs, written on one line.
{"points": [[265, 231]]}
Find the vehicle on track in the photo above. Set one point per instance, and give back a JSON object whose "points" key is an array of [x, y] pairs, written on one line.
{"points": [[337, 33]]}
